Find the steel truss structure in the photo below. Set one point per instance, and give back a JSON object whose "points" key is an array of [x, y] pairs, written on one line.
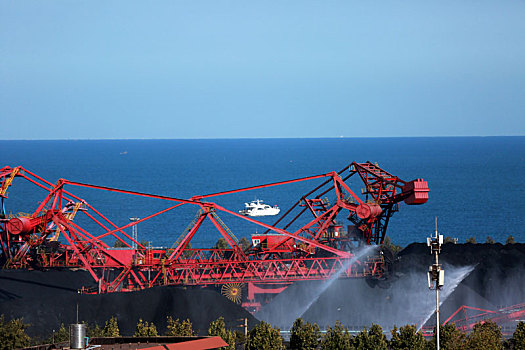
{"points": [[50, 237], [466, 317]]}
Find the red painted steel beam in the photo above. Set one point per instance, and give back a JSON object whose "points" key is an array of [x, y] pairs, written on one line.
{"points": [[289, 234], [180, 248], [112, 232], [226, 236], [135, 193], [282, 270], [69, 194], [212, 268], [87, 265], [262, 186]]}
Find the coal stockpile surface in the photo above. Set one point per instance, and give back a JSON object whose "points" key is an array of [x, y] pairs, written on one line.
{"points": [[47, 299], [25, 285], [479, 275], [485, 276]]}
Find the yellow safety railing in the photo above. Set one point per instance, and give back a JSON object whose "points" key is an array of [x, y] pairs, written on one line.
{"points": [[8, 182]]}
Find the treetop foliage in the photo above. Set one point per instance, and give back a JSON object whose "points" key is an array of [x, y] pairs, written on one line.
{"points": [[244, 243], [145, 329], [221, 244], [450, 338], [304, 335], [264, 337], [486, 336], [62, 334], [337, 338], [111, 328], [518, 338], [177, 328], [372, 339], [13, 334], [387, 242], [218, 329], [407, 338], [510, 240]]}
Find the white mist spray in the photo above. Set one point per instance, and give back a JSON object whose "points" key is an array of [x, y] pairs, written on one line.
{"points": [[361, 253], [452, 280]]}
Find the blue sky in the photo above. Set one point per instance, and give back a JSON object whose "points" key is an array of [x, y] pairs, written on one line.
{"points": [[229, 69]]}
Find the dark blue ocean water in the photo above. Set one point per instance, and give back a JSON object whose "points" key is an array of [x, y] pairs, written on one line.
{"points": [[477, 183]]}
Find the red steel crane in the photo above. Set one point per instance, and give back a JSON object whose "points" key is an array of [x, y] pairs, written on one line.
{"points": [[307, 242], [466, 317], [472, 315]]}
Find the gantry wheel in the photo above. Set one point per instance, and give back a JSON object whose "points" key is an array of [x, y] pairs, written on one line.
{"points": [[233, 291]]}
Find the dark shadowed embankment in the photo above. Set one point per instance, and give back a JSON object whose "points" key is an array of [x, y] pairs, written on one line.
{"points": [[47, 299]]}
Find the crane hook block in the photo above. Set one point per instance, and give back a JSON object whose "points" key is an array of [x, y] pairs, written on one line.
{"points": [[416, 192]]}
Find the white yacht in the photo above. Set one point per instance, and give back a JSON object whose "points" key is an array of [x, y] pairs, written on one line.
{"points": [[258, 208]]}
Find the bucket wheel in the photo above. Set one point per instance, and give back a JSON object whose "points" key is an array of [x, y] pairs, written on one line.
{"points": [[233, 291]]}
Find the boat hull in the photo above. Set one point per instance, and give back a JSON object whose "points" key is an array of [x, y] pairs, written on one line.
{"points": [[267, 212]]}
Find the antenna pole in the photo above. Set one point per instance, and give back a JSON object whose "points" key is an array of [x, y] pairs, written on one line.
{"points": [[436, 274], [437, 287]]}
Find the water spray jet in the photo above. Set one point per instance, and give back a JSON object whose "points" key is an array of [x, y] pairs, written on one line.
{"points": [[323, 287]]}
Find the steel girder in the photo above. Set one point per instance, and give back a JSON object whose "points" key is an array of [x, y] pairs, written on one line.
{"points": [[27, 242]]}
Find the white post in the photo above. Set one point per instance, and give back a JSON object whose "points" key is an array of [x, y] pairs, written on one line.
{"points": [[435, 273], [437, 304], [134, 232]]}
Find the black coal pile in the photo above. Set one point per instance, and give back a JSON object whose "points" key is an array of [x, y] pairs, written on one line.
{"points": [[47, 299], [485, 276], [478, 275]]}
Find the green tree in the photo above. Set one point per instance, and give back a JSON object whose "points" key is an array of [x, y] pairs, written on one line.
{"points": [[62, 334], [240, 339], [304, 335], [387, 242], [187, 251], [471, 240], [510, 240], [177, 328], [244, 243], [58, 336], [94, 331], [111, 328], [407, 338], [372, 339], [145, 329], [337, 338], [119, 244], [13, 334], [449, 239], [264, 337], [490, 240], [221, 244], [518, 338], [218, 329], [485, 335], [450, 338]]}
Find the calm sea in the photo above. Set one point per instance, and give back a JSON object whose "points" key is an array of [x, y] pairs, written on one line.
{"points": [[477, 183]]}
